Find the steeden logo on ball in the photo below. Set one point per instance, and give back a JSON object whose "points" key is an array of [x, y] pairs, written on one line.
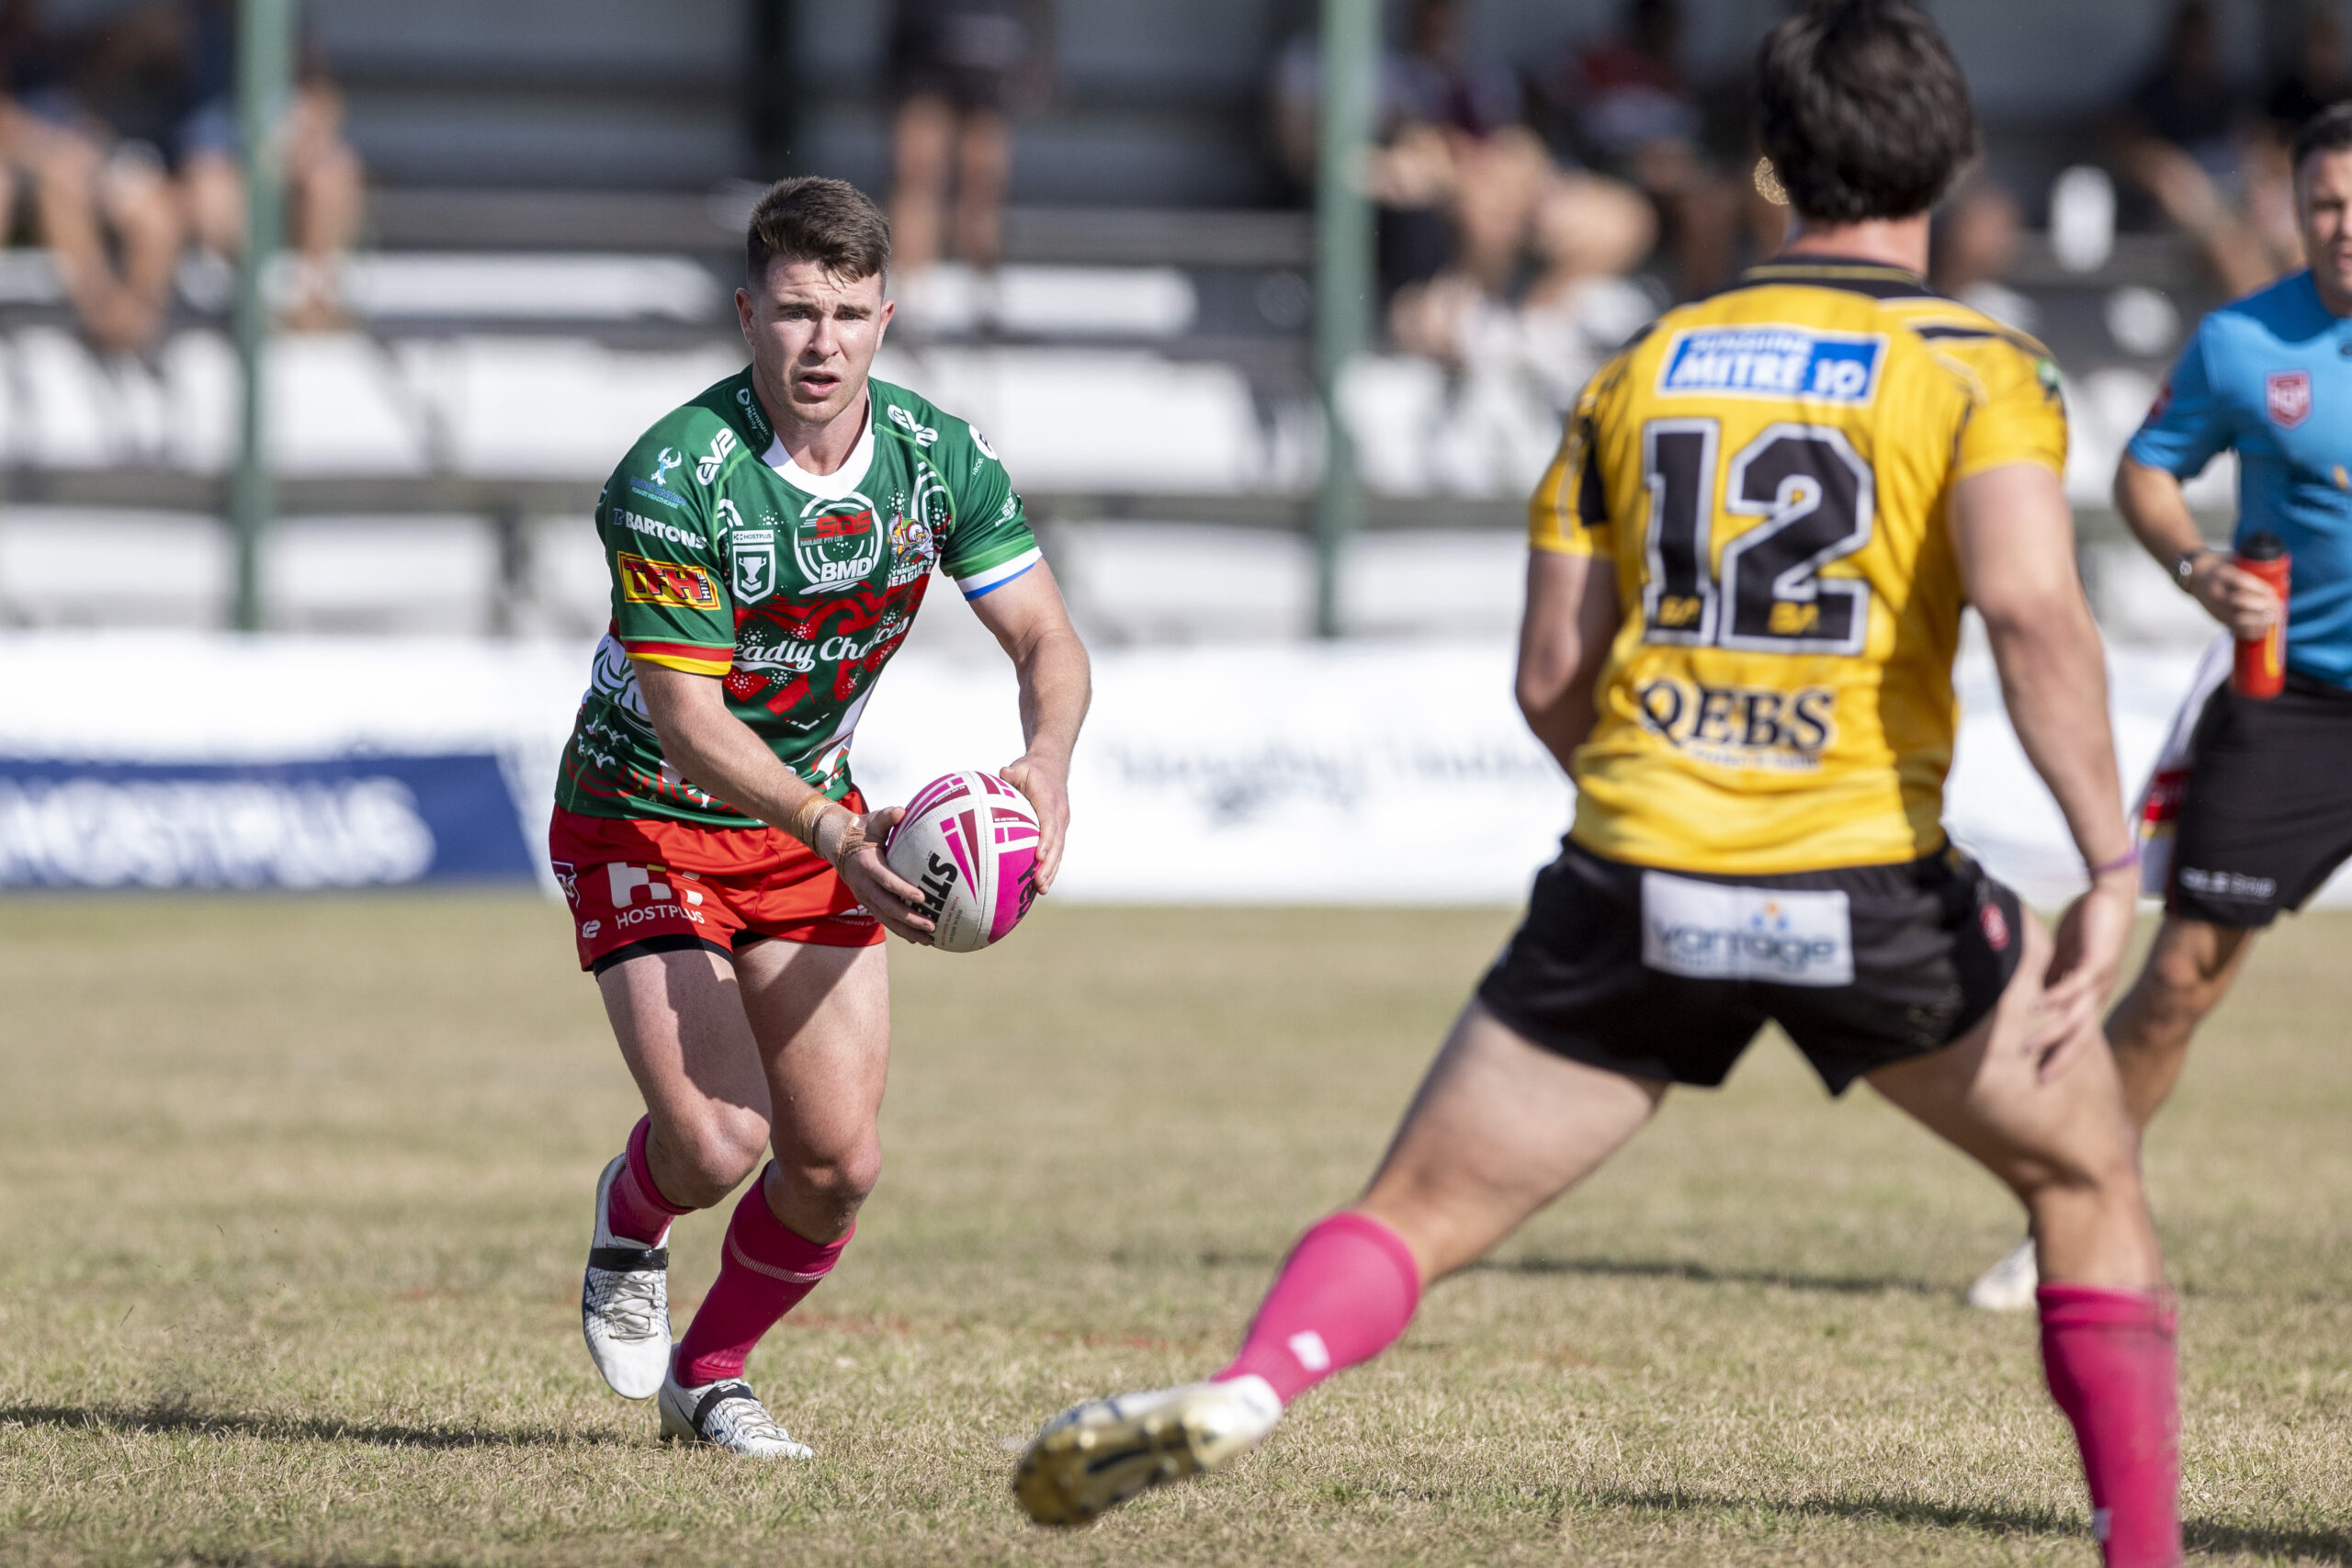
{"points": [[968, 843]]}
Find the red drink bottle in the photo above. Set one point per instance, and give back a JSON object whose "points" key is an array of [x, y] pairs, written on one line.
{"points": [[2260, 668]]}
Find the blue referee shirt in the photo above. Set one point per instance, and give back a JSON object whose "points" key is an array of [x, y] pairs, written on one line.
{"points": [[2271, 376]]}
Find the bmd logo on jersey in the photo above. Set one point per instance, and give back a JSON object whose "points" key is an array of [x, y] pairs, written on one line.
{"points": [[2287, 396], [837, 544], [1773, 361], [1714, 930]]}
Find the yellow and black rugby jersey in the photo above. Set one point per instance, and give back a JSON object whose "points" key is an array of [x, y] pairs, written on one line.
{"points": [[1769, 470]]}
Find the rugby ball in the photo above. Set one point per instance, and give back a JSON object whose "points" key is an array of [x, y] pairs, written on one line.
{"points": [[968, 843]]}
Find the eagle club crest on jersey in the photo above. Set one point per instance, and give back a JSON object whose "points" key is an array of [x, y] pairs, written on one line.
{"points": [[797, 611], [2286, 395], [1767, 471]]}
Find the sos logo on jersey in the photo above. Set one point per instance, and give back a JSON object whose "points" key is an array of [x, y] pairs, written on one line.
{"points": [[837, 544], [1741, 727]]}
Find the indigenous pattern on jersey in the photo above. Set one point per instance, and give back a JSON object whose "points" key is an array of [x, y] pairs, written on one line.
{"points": [[2271, 376], [730, 560], [1770, 471]]}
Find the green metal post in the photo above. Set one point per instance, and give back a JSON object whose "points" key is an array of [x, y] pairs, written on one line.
{"points": [[265, 85], [1343, 276]]}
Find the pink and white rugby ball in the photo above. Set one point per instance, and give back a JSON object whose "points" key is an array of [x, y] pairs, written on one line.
{"points": [[969, 842]]}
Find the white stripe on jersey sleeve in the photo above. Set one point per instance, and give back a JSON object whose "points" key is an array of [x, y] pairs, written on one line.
{"points": [[989, 579]]}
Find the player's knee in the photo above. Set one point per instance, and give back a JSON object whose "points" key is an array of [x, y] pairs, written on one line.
{"points": [[2183, 983], [839, 1181], [711, 1157], [2104, 1178]]}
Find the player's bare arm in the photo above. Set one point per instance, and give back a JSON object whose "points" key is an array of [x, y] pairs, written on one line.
{"points": [[2152, 507], [2016, 541], [1564, 637], [1031, 623], [719, 752]]}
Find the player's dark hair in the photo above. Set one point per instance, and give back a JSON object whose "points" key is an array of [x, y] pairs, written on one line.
{"points": [[811, 219], [2330, 131], [1863, 110]]}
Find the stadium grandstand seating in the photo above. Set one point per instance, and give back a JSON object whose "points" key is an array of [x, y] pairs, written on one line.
{"points": [[557, 192]]}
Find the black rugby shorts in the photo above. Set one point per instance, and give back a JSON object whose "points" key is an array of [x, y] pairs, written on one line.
{"points": [[2267, 814], [1670, 976]]}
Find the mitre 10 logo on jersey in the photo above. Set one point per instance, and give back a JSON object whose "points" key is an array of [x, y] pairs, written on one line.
{"points": [[648, 581], [838, 543], [1773, 361]]}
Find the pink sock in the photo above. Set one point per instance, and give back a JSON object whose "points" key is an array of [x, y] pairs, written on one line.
{"points": [[635, 1211], [1346, 1294], [2110, 1357], [762, 1273]]}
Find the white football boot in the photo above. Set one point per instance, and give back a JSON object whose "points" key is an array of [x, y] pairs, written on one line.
{"points": [[625, 1302], [728, 1416], [2009, 1285], [1095, 1456]]}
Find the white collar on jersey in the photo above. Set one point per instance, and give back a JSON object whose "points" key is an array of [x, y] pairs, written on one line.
{"points": [[842, 481]]}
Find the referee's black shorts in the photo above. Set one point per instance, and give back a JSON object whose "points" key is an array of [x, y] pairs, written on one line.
{"points": [[1669, 976], [2267, 814]]}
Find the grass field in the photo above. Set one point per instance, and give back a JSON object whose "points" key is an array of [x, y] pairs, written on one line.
{"points": [[296, 1197]]}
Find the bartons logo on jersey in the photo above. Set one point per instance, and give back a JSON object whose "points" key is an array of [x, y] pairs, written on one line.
{"points": [[1773, 361], [666, 583], [837, 544]]}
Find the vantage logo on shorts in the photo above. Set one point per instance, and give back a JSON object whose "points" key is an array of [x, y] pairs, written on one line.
{"points": [[1714, 930], [1774, 362], [645, 582]]}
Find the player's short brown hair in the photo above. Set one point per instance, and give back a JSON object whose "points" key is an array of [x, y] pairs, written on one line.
{"points": [[811, 219], [2330, 131], [1863, 110]]}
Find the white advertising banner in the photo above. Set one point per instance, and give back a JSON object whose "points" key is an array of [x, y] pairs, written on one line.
{"points": [[1269, 773]]}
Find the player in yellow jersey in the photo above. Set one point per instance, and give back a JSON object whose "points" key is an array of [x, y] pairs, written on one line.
{"points": [[1742, 603]]}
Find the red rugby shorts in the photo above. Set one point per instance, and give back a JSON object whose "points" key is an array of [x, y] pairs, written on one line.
{"points": [[641, 884]]}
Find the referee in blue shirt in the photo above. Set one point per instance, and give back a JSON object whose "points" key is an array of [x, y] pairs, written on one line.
{"points": [[2268, 810]]}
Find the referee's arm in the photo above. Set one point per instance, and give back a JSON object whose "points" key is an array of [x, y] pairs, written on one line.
{"points": [[2157, 514]]}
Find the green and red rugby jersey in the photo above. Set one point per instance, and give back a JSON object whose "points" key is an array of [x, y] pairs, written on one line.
{"points": [[730, 560]]}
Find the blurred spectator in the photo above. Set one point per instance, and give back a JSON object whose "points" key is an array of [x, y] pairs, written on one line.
{"points": [[2180, 138], [1972, 246], [1587, 234], [2315, 77], [325, 185], [162, 75], [1630, 110], [954, 66], [1459, 177], [85, 186]]}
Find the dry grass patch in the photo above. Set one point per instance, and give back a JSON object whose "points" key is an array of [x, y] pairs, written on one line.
{"points": [[296, 1200]]}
